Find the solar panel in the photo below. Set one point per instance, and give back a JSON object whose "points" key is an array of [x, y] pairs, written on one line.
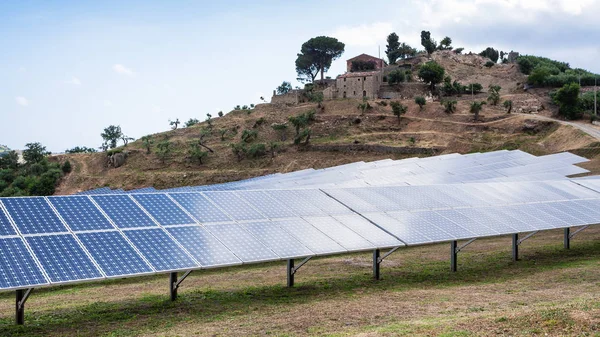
{"points": [[399, 229], [416, 223], [123, 211], [367, 230], [235, 207], [443, 223], [17, 266], [570, 218], [62, 258], [409, 198], [33, 215], [277, 239], [80, 213], [242, 243], [324, 202], [113, 253], [160, 250], [296, 203], [199, 207], [203, 246], [340, 233], [475, 227], [268, 206], [481, 216], [544, 217], [5, 227], [382, 203], [163, 209], [312, 238], [351, 200], [579, 211]]}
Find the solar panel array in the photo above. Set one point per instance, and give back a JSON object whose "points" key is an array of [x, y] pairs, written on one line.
{"points": [[350, 208]]}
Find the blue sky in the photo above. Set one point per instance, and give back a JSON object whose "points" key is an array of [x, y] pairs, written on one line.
{"points": [[71, 68]]}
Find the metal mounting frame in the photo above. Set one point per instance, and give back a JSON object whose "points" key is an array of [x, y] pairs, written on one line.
{"points": [[378, 258], [516, 242], [569, 235], [454, 250], [291, 270], [21, 298], [174, 283]]}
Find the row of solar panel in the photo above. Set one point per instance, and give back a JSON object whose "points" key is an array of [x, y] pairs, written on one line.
{"points": [[80, 238], [451, 168]]}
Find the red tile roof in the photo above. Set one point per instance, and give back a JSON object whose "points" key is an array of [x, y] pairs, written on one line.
{"points": [[360, 74]]}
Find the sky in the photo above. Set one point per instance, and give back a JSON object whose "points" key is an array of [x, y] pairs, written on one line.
{"points": [[68, 69]]}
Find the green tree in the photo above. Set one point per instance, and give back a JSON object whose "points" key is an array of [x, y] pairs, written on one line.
{"points": [[147, 142], [10, 161], [474, 88], [220, 114], [392, 48], [223, 133], [81, 149], [282, 129], [34, 153], [249, 135], [191, 122], [66, 167], [398, 109], [406, 50], [476, 108], [174, 124], [490, 53], [307, 72], [196, 153], [396, 76], [446, 44], [163, 150], [364, 107], [567, 99], [459, 50], [431, 73], [284, 88], [508, 104], [209, 120], [539, 75], [318, 53], [449, 106], [427, 42], [126, 139], [111, 135], [420, 100], [494, 94]]}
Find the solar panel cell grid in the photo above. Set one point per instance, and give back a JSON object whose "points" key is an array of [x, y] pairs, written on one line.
{"points": [[200, 208], [17, 266], [80, 213], [235, 207], [160, 250], [309, 236], [268, 206], [340, 233], [203, 246], [33, 215], [415, 222], [242, 243], [123, 211], [5, 226], [163, 209], [62, 258], [298, 204], [367, 230], [278, 240], [113, 253], [399, 229]]}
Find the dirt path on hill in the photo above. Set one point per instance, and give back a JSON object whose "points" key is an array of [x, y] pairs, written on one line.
{"points": [[590, 129]]}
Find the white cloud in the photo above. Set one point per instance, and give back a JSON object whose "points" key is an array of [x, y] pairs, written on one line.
{"points": [[364, 35], [74, 81], [22, 101], [156, 109], [107, 103], [123, 70]]}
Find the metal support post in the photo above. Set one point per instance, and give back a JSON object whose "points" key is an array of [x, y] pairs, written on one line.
{"points": [[376, 263], [290, 273], [21, 298], [173, 286], [515, 247], [453, 255], [567, 238]]}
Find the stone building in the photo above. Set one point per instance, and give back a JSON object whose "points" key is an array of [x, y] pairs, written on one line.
{"points": [[358, 84]]}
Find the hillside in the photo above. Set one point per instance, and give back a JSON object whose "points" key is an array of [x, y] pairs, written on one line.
{"points": [[341, 134]]}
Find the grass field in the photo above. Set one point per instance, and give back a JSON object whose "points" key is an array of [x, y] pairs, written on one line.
{"points": [[550, 292]]}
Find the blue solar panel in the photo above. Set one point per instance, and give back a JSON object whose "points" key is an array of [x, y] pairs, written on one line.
{"points": [[160, 250], [113, 253], [123, 211], [62, 258], [163, 209], [198, 206], [33, 215], [17, 266], [5, 227], [203, 246], [80, 213], [235, 207]]}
